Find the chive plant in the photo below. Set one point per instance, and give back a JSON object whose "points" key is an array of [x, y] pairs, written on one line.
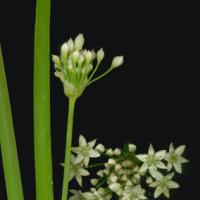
{"points": [[122, 174]]}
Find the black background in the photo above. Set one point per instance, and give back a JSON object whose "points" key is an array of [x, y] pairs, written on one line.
{"points": [[151, 98]]}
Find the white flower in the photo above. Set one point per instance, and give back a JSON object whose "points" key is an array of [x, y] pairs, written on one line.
{"points": [[163, 184], [133, 193], [85, 151], [174, 158], [77, 195], [77, 170], [152, 161]]}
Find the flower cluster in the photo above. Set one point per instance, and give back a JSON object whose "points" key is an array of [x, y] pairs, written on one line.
{"points": [[76, 66], [125, 174]]}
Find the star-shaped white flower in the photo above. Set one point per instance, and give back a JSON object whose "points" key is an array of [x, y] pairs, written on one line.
{"points": [[77, 170], [152, 161], [175, 159], [85, 151], [134, 193], [77, 195], [163, 184]]}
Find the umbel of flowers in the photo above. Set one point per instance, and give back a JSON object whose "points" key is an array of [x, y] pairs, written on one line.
{"points": [[76, 66], [125, 173]]}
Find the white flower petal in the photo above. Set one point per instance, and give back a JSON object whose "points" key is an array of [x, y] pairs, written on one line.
{"points": [[165, 191], [142, 197], [171, 148], [86, 161], [92, 143], [143, 168], [160, 154], [179, 151], [177, 167], [151, 150], [93, 153], [158, 192], [170, 176], [161, 165], [169, 166], [79, 180], [84, 172], [82, 141], [172, 184], [183, 160], [78, 159], [142, 157], [153, 171]]}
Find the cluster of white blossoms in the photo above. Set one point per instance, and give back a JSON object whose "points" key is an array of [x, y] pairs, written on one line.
{"points": [[76, 66], [125, 174]]}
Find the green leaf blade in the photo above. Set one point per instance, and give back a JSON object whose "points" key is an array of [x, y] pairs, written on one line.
{"points": [[7, 141], [42, 133]]}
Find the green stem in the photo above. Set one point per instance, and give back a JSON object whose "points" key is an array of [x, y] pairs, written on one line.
{"points": [[42, 132], [95, 165], [7, 141], [65, 188], [99, 77]]}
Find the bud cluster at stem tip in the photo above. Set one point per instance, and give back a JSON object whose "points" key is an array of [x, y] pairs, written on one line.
{"points": [[76, 66]]}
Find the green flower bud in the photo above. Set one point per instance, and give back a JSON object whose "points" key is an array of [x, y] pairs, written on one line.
{"points": [[75, 56], [56, 61], [64, 50], [80, 60], [132, 148], [117, 61], [94, 181], [70, 44], [100, 55], [79, 41], [88, 57]]}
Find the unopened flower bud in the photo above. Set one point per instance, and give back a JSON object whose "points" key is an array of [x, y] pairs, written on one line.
{"points": [[132, 148], [100, 148], [149, 180], [106, 171], [117, 61], [113, 178], [118, 167], [64, 50], [100, 173], [75, 56], [124, 177], [109, 152], [100, 55], [80, 61], [127, 163], [88, 57], [94, 181], [111, 161], [70, 44], [117, 152], [115, 187], [79, 41]]}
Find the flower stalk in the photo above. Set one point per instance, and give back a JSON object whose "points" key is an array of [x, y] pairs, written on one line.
{"points": [[66, 176]]}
